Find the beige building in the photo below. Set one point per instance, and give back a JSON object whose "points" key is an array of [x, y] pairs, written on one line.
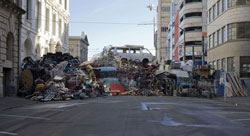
{"points": [[229, 36], [78, 47], [10, 13], [163, 17], [44, 27]]}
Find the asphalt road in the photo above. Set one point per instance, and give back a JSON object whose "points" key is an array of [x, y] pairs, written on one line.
{"points": [[127, 116]]}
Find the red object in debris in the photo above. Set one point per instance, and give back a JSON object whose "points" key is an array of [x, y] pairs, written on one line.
{"points": [[116, 87]]}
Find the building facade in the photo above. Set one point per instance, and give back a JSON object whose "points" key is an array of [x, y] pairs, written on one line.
{"points": [[229, 36], [190, 28], [163, 17], [10, 14], [44, 27], [78, 46]]}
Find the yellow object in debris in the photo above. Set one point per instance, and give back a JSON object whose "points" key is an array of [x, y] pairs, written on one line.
{"points": [[40, 86], [89, 68]]}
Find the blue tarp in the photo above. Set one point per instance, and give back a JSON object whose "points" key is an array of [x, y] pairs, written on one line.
{"points": [[103, 69]]}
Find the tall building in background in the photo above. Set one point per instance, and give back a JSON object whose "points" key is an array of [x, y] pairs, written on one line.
{"points": [[229, 36], [189, 19], [163, 17], [10, 14], [44, 27], [78, 46]]}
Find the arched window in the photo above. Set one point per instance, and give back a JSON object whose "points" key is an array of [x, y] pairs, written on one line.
{"points": [[9, 46]]}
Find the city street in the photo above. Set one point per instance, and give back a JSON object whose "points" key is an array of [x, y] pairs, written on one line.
{"points": [[127, 116]]}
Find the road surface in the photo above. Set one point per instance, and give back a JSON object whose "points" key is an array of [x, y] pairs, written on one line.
{"points": [[127, 116]]}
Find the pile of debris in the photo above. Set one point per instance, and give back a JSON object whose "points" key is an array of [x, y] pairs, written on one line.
{"points": [[58, 77]]}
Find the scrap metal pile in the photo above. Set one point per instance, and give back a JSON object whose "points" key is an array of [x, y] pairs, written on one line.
{"points": [[58, 77]]}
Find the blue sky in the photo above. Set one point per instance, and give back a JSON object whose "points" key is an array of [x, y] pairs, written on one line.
{"points": [[113, 11]]}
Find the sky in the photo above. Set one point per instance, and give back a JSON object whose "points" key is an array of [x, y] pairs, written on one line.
{"points": [[130, 12]]}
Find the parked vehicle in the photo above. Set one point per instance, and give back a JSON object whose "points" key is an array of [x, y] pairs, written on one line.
{"points": [[132, 53]]}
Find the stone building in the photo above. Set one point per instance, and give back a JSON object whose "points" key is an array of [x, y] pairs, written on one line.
{"points": [[229, 36], [10, 14], [44, 27], [78, 46]]}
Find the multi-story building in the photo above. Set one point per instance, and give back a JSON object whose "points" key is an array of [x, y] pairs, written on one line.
{"points": [[229, 36], [10, 13], [163, 17], [170, 32], [190, 27], [44, 27], [78, 46]]}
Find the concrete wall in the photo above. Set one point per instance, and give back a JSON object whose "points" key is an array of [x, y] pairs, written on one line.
{"points": [[232, 48]]}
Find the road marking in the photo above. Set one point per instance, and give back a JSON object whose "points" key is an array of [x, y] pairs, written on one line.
{"points": [[241, 119], [144, 105], [70, 105], [28, 117], [8, 133]]}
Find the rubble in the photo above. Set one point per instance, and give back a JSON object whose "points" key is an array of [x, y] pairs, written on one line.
{"points": [[58, 77]]}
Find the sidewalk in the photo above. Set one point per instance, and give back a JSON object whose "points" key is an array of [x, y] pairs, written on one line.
{"points": [[14, 102], [243, 102]]}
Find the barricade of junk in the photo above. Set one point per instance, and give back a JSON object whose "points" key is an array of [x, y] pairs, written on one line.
{"points": [[62, 77]]}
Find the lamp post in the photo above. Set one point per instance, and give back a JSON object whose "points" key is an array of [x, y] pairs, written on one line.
{"points": [[151, 8]]}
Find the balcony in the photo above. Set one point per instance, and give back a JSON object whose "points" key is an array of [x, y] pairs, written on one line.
{"points": [[191, 7]]}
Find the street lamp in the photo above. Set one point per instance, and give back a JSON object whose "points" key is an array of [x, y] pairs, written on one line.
{"points": [[151, 8], [184, 39]]}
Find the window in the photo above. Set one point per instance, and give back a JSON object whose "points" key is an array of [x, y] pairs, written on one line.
{"points": [[9, 46], [166, 9], [223, 34], [210, 15], [214, 39], [60, 28], [245, 66], [223, 5], [230, 64], [47, 20], [223, 64], [193, 29], [219, 37], [218, 8], [28, 9], [193, 14], [39, 20], [54, 25], [218, 65], [214, 12], [215, 65], [210, 41], [239, 31], [66, 4], [229, 32], [164, 29], [229, 3]]}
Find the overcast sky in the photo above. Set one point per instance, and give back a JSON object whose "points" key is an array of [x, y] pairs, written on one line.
{"points": [[133, 12]]}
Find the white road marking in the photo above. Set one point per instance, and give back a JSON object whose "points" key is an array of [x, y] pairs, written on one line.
{"points": [[144, 105], [28, 117], [8, 133], [70, 105], [241, 119]]}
